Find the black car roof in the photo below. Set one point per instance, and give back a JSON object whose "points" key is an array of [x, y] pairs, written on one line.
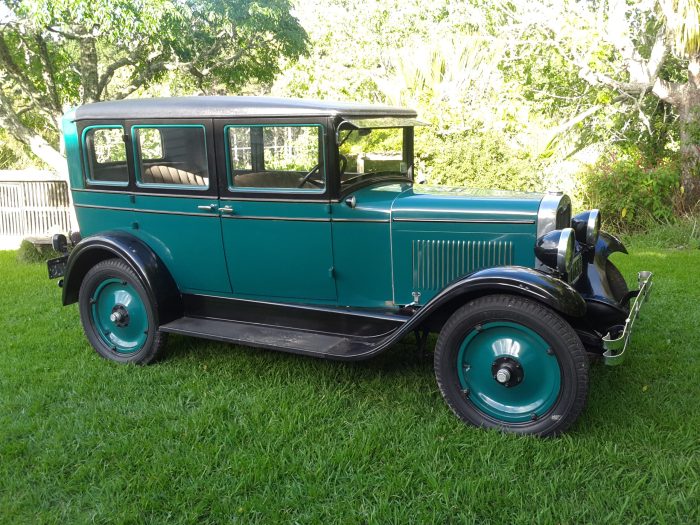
{"points": [[213, 107]]}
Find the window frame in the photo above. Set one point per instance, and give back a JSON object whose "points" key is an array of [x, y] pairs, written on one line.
{"points": [[273, 194], [86, 156], [262, 126], [178, 188]]}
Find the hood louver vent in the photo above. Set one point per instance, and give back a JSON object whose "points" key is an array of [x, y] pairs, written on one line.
{"points": [[437, 263]]}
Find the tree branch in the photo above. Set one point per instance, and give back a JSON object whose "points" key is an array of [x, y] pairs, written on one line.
{"points": [[158, 65], [106, 77], [38, 145], [23, 82], [48, 72]]}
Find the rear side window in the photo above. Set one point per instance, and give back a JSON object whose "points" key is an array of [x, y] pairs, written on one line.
{"points": [[171, 156], [105, 155], [275, 157]]}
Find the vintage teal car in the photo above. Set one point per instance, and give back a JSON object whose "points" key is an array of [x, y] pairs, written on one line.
{"points": [[295, 225]]}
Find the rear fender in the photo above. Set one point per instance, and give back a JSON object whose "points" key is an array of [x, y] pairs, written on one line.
{"points": [[151, 271]]}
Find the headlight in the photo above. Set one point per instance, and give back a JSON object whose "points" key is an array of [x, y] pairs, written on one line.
{"points": [[587, 227], [556, 249]]}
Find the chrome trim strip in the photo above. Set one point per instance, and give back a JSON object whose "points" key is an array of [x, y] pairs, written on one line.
{"points": [[229, 198], [468, 221], [615, 348], [359, 220], [270, 218], [144, 194], [136, 210], [115, 208]]}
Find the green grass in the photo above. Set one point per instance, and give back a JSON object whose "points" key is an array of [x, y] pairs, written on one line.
{"points": [[217, 433]]}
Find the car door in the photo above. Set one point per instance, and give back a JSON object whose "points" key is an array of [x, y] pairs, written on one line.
{"points": [[175, 200], [275, 211]]}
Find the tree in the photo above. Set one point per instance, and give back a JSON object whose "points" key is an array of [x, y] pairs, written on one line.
{"points": [[59, 53], [622, 53]]}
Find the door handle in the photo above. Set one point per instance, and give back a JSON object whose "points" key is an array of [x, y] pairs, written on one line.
{"points": [[226, 209], [207, 207]]}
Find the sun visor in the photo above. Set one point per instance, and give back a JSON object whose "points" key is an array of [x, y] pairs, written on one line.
{"points": [[382, 122]]}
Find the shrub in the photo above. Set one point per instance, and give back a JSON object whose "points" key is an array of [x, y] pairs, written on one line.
{"points": [[32, 253], [630, 195], [484, 160]]}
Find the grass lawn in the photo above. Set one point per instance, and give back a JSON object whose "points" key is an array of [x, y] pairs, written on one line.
{"points": [[217, 433]]}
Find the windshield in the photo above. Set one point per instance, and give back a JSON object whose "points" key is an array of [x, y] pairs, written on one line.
{"points": [[371, 154]]}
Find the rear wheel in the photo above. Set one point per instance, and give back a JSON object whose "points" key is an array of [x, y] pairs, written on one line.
{"points": [[118, 316], [513, 364]]}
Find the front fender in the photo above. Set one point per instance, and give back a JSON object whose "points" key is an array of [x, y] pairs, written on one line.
{"points": [[151, 271], [516, 280], [608, 244], [595, 282]]}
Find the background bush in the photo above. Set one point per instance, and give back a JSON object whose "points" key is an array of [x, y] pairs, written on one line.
{"points": [[632, 195], [483, 160]]}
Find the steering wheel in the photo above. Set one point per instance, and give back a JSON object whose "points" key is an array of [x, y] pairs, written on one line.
{"points": [[343, 163], [307, 178]]}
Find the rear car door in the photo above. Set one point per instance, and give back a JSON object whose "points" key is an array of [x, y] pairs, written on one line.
{"points": [[175, 200], [275, 211]]}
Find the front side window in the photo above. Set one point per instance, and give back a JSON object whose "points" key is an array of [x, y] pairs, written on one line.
{"points": [[171, 156], [371, 154], [105, 153], [275, 157]]}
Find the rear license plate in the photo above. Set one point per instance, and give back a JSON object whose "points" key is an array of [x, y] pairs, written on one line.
{"points": [[57, 266]]}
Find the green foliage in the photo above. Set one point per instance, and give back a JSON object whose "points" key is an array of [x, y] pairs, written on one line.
{"points": [[632, 195], [483, 160], [682, 233], [32, 253]]}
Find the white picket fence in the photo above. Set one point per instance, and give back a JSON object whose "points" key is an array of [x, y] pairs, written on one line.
{"points": [[33, 203]]}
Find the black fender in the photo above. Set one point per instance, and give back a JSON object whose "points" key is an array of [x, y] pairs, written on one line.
{"points": [[515, 280], [594, 284], [608, 244], [152, 272]]}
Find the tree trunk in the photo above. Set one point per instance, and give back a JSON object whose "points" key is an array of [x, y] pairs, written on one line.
{"points": [[688, 105], [37, 144]]}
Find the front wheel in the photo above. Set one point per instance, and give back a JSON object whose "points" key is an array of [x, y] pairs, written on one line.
{"points": [[513, 364], [118, 315]]}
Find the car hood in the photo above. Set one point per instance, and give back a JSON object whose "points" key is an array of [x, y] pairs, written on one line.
{"points": [[466, 204]]}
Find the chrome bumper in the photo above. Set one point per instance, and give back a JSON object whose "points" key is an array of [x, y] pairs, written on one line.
{"points": [[615, 348]]}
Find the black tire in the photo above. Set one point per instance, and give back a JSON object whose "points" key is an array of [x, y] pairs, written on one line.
{"points": [[570, 396], [618, 285], [148, 342]]}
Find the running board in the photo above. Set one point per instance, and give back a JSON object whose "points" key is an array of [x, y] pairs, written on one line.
{"points": [[324, 345]]}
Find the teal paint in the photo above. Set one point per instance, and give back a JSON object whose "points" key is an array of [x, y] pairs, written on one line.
{"points": [[442, 234], [100, 211], [361, 249], [187, 240], [279, 259], [70, 139], [129, 337], [541, 380]]}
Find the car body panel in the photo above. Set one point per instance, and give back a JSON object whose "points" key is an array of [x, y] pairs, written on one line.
{"points": [[292, 246]]}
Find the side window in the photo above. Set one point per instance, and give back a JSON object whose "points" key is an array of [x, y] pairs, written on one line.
{"points": [[171, 155], [275, 157], [105, 155]]}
